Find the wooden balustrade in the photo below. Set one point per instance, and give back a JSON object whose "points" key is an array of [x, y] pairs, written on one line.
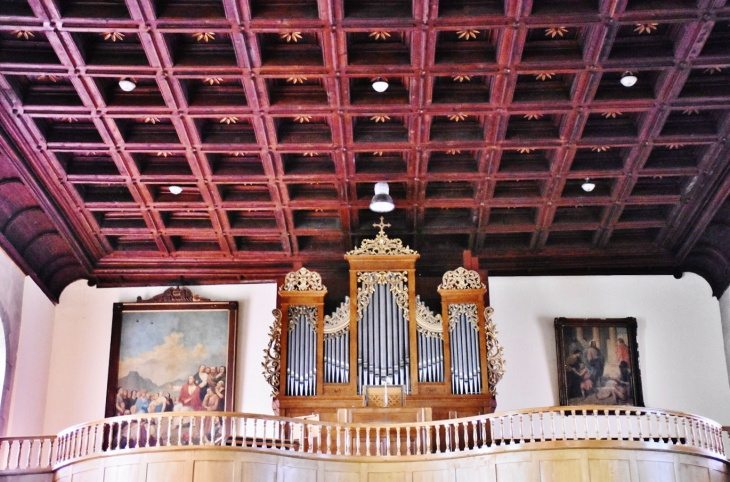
{"points": [[389, 440], [27, 453], [611, 425]]}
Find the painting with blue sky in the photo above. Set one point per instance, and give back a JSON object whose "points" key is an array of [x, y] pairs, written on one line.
{"points": [[165, 347]]}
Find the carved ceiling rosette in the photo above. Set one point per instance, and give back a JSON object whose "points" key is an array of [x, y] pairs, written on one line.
{"points": [[303, 280], [461, 279]]}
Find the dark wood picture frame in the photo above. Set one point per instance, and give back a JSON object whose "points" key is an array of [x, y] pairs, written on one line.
{"points": [[173, 299], [627, 383]]}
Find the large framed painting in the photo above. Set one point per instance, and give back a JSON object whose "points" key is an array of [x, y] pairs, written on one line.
{"points": [[175, 352], [598, 361]]}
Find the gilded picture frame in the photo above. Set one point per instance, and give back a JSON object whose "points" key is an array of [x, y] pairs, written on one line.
{"points": [[598, 361], [175, 352]]}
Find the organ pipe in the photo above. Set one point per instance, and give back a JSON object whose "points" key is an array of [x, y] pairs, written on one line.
{"points": [[337, 345], [464, 345], [383, 336], [301, 371], [430, 344]]}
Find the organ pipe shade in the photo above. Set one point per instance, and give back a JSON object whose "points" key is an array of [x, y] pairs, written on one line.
{"points": [[301, 359], [430, 344], [337, 345], [466, 374]]}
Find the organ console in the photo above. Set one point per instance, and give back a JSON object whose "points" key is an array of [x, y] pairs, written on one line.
{"points": [[383, 334]]}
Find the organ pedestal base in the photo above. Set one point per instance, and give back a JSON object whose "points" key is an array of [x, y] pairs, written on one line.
{"points": [[384, 415]]}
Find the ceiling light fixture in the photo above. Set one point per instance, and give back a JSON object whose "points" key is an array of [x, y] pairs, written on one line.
{"points": [[382, 202], [628, 79], [380, 85], [588, 186], [127, 85], [175, 190]]}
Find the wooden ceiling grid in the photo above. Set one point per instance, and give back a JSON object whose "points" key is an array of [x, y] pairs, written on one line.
{"points": [[263, 112]]}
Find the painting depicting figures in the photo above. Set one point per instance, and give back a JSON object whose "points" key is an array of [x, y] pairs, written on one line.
{"points": [[170, 360], [598, 362]]}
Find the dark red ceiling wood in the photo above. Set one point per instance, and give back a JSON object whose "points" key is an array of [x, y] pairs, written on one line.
{"points": [[276, 147]]}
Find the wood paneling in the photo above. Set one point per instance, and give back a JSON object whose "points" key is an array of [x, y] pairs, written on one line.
{"points": [[655, 471], [259, 472], [209, 470], [558, 464], [173, 471], [484, 138], [604, 470]]}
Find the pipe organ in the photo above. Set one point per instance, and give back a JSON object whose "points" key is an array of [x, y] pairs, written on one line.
{"points": [[383, 335]]}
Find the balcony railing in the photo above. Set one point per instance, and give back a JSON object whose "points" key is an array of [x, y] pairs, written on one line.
{"points": [[569, 426], [27, 453]]}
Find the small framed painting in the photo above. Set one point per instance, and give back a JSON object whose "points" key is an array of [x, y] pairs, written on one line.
{"points": [[598, 361], [175, 352]]}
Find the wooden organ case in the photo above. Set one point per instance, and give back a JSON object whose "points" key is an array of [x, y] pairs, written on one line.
{"points": [[382, 334]]}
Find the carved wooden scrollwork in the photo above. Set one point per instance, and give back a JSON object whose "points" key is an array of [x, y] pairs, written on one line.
{"points": [[338, 323], [467, 309], [495, 353], [297, 312], [174, 295], [272, 355], [396, 280], [427, 322], [382, 245], [461, 279], [302, 280]]}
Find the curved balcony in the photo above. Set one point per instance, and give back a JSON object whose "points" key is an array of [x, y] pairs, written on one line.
{"points": [[559, 443]]}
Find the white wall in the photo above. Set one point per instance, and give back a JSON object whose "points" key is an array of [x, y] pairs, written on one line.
{"points": [[681, 351], [11, 303], [82, 331], [34, 355], [725, 317], [679, 329]]}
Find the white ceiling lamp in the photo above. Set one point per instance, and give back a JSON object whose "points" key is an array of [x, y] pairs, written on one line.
{"points": [[127, 85], [380, 85], [382, 202], [175, 189], [628, 79], [588, 185]]}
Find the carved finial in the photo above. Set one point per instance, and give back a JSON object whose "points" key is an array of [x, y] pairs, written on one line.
{"points": [[381, 225]]}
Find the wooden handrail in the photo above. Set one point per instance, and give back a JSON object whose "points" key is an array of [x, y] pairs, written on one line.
{"points": [[164, 431]]}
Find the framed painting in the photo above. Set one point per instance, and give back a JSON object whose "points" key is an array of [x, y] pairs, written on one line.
{"points": [[175, 352], [598, 361]]}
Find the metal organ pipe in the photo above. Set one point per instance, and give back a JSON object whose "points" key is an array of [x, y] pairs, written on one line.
{"points": [[383, 340], [465, 351], [301, 357], [337, 344], [430, 344]]}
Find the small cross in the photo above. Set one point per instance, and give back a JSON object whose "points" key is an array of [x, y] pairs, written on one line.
{"points": [[381, 225]]}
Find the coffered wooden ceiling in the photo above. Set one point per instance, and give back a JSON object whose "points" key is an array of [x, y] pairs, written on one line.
{"points": [[263, 112]]}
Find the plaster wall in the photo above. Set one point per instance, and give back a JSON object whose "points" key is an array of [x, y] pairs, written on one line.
{"points": [[725, 318], [82, 331], [682, 355], [681, 350], [12, 284], [33, 362]]}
